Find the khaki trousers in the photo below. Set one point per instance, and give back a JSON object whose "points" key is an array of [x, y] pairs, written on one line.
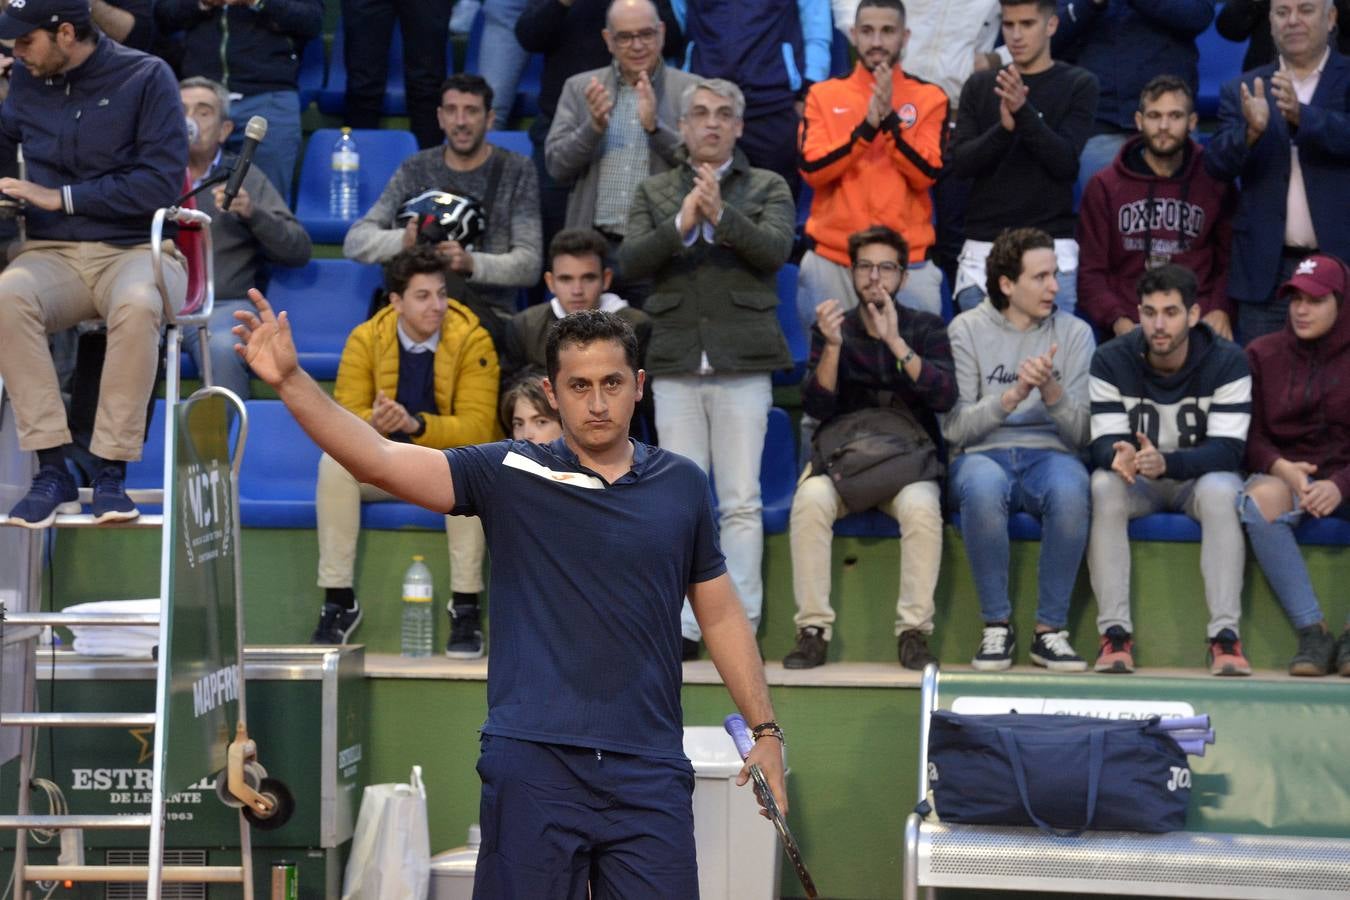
{"points": [[815, 508], [53, 285], [337, 503]]}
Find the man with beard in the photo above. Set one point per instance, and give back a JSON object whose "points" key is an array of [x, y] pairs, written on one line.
{"points": [[1018, 135], [1154, 205], [1171, 403], [871, 147], [501, 182]]}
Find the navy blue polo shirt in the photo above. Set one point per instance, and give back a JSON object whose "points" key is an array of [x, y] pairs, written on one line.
{"points": [[587, 583]]}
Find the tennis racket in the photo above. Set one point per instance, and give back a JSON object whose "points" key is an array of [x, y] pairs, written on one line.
{"points": [[740, 733]]}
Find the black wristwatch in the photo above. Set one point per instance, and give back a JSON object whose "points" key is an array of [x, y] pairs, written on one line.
{"points": [[421, 426]]}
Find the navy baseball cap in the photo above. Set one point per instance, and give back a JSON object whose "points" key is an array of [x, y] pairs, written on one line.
{"points": [[22, 16]]}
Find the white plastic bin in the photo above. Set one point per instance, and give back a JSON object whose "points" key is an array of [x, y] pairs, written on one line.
{"points": [[738, 853], [452, 871]]}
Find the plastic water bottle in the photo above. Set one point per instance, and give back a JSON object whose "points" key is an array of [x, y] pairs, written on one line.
{"points": [[344, 189], [418, 624]]}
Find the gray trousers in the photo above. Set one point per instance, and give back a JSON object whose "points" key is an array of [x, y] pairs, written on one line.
{"points": [[1210, 499]]}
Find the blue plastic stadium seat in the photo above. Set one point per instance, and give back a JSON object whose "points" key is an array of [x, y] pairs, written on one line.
{"points": [[392, 515], [333, 97], [381, 152], [313, 72], [778, 472], [872, 523], [526, 103], [516, 141], [1335, 532], [279, 471], [326, 299], [148, 471], [799, 344], [1220, 61]]}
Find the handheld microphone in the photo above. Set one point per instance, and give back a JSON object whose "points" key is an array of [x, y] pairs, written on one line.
{"points": [[254, 132]]}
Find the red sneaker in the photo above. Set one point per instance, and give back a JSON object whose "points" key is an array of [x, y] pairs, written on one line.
{"points": [[1225, 655], [1117, 651]]}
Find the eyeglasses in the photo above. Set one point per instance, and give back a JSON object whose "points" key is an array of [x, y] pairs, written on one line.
{"points": [[884, 268], [724, 115], [629, 38]]}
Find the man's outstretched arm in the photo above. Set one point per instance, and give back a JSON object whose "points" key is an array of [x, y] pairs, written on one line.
{"points": [[732, 646], [416, 474]]}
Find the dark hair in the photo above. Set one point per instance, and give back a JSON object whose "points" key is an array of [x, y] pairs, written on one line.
{"points": [[1049, 7], [1166, 84], [1170, 277], [897, 5], [421, 259], [586, 327], [1005, 259], [877, 234], [467, 83], [578, 242], [528, 386], [84, 31]]}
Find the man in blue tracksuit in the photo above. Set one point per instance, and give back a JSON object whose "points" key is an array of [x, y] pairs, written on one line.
{"points": [[1125, 43], [104, 137], [253, 48]]}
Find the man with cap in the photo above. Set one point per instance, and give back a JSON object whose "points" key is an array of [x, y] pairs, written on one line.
{"points": [[1298, 448], [104, 137]]}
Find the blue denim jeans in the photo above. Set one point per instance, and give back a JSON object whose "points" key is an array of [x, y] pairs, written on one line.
{"points": [[278, 155], [501, 59], [990, 486], [1277, 551]]}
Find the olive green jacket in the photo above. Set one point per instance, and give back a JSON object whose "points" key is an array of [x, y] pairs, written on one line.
{"points": [[718, 298]]}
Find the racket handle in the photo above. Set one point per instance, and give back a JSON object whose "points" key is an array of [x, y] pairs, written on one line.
{"points": [[1184, 723], [740, 733]]}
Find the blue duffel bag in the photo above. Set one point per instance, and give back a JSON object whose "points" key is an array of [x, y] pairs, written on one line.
{"points": [[1063, 774]]}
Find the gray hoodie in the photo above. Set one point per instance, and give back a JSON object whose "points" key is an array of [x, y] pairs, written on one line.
{"points": [[987, 351]]}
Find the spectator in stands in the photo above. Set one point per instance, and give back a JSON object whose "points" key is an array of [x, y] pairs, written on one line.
{"points": [[1018, 135], [129, 22], [1241, 20], [500, 182], [1284, 130], [1125, 44], [570, 35], [1298, 448], [259, 229], [1020, 420], [773, 51], [367, 30], [713, 234], [871, 147], [88, 256], [1171, 402], [579, 279], [526, 413], [1153, 205], [618, 124], [878, 354], [253, 49], [949, 40], [421, 370]]}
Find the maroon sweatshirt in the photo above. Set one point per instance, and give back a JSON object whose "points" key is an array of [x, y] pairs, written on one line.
{"points": [[1129, 215], [1301, 401]]}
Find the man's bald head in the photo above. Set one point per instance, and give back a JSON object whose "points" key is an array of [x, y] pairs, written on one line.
{"points": [[631, 8]]}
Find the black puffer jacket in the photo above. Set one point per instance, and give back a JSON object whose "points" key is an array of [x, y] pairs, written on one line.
{"points": [[251, 50]]}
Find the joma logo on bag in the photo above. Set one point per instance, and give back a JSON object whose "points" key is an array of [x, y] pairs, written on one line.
{"points": [[1181, 778], [932, 772]]}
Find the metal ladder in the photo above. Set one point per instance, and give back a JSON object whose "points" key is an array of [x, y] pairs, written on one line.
{"points": [[22, 629]]}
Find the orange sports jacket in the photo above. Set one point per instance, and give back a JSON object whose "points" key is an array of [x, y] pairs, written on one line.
{"points": [[866, 176]]}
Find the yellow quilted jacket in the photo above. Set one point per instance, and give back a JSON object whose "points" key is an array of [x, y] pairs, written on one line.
{"points": [[465, 375]]}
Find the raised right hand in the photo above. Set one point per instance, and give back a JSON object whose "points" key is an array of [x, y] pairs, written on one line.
{"points": [[1255, 109], [830, 321], [266, 345]]}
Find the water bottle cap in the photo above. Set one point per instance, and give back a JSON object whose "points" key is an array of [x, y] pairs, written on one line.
{"points": [[346, 129], [417, 557]]}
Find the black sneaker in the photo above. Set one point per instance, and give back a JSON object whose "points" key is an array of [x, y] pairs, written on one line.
{"points": [[996, 649], [810, 649], [688, 650], [1343, 654], [466, 637], [1052, 650], [111, 503], [53, 491], [1316, 652], [913, 649], [336, 624]]}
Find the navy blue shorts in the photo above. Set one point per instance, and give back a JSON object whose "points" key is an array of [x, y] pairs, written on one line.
{"points": [[560, 821]]}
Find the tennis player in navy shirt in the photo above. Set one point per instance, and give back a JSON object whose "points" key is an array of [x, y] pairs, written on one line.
{"points": [[597, 539]]}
